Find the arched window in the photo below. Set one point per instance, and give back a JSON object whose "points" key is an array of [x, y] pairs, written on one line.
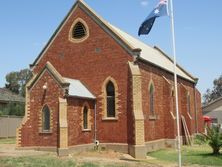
{"points": [[45, 118], [85, 117], [188, 103], [79, 31], [110, 99], [151, 93]]}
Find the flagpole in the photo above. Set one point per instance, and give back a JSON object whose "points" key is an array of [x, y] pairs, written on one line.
{"points": [[175, 83]]}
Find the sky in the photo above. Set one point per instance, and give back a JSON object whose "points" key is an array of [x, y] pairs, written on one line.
{"points": [[27, 25]]}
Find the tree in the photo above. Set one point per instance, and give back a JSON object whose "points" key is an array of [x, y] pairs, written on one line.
{"points": [[215, 93], [24, 76], [16, 81], [12, 82]]}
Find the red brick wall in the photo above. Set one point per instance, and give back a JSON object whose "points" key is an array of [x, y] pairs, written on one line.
{"points": [[184, 88], [169, 106], [154, 129], [31, 135], [165, 125], [81, 61], [75, 133]]}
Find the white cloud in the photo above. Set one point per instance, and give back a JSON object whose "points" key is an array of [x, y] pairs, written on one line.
{"points": [[144, 3]]}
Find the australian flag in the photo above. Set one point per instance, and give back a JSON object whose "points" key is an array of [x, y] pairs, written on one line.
{"points": [[160, 10]]}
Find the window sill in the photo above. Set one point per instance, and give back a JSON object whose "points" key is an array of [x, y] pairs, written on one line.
{"points": [[110, 119], [86, 130], [45, 132], [154, 117]]}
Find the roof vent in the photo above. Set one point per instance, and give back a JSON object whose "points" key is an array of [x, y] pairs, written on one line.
{"points": [[79, 31]]}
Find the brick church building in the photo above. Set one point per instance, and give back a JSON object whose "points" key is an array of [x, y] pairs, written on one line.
{"points": [[94, 82]]}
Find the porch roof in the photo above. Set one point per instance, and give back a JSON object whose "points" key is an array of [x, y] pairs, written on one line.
{"points": [[78, 89]]}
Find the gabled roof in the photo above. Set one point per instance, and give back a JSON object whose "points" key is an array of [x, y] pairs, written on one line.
{"points": [[50, 68], [149, 54], [8, 96], [75, 87]]}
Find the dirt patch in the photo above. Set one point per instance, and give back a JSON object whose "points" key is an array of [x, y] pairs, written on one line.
{"points": [[8, 150], [100, 158], [111, 158]]}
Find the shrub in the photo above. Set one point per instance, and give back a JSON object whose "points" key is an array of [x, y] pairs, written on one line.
{"points": [[17, 109], [200, 139], [214, 138]]}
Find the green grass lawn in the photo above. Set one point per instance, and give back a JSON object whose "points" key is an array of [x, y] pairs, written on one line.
{"points": [[35, 161], [7, 140], [190, 155], [46, 161]]}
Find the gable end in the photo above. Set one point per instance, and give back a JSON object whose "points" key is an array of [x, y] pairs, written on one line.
{"points": [[98, 20], [49, 67]]}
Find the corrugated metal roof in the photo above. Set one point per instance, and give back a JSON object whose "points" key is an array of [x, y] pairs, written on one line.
{"points": [[151, 54], [77, 89], [8, 96]]}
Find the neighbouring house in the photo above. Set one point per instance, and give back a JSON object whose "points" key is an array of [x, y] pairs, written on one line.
{"points": [[7, 97], [214, 110], [93, 82]]}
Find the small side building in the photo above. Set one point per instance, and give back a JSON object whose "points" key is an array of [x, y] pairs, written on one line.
{"points": [[214, 110]]}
